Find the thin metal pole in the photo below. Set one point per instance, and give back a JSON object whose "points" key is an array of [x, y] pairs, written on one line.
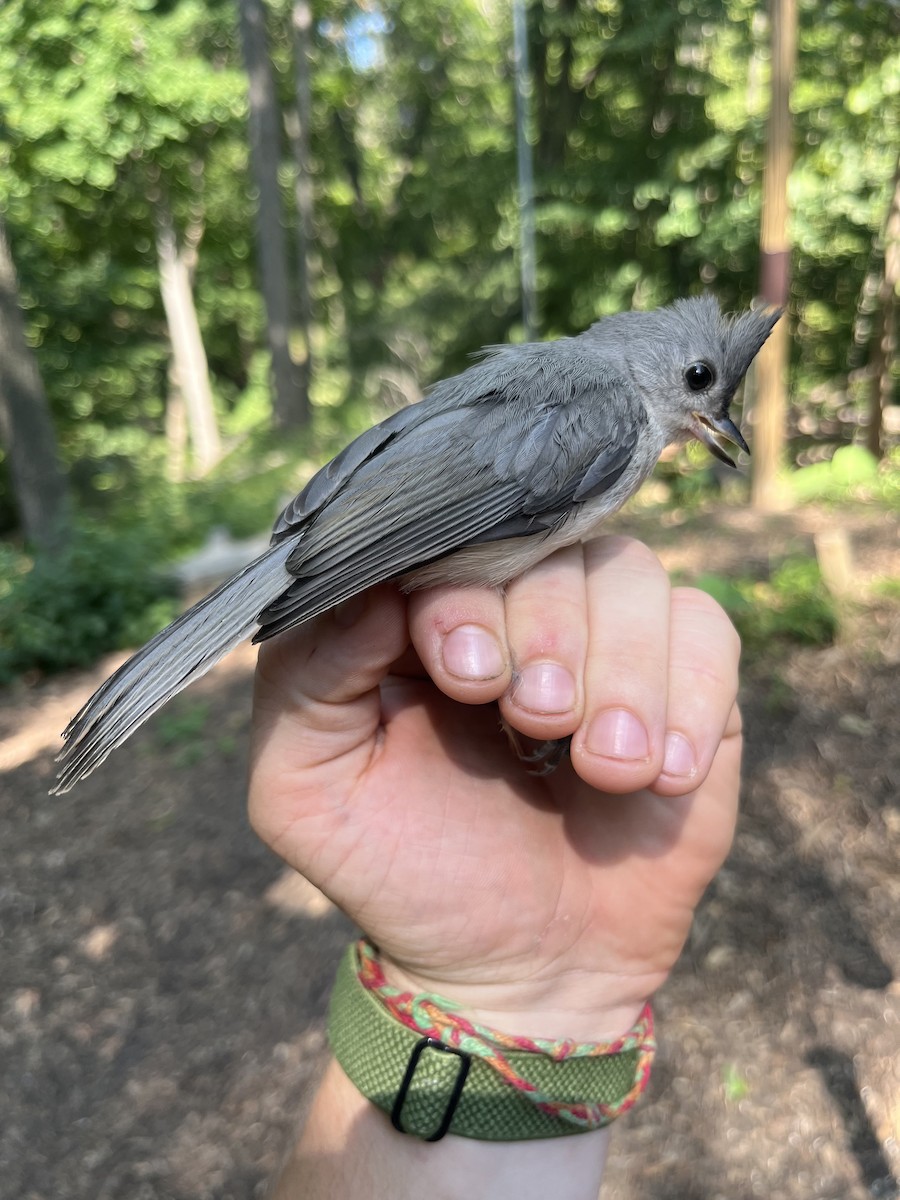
{"points": [[525, 172]]}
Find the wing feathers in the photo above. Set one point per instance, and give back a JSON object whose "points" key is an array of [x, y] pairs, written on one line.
{"points": [[464, 475], [181, 653], [346, 568]]}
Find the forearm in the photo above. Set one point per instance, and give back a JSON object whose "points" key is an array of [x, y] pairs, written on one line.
{"points": [[349, 1148]]}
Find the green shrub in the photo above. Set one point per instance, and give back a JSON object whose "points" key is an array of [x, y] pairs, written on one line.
{"points": [[802, 609], [104, 590], [851, 474], [793, 605], [100, 592]]}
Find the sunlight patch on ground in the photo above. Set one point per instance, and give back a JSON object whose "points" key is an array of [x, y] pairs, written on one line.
{"points": [[98, 943], [44, 718], [291, 893]]}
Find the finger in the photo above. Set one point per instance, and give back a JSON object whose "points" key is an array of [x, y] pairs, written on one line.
{"points": [[619, 746], [546, 630], [316, 688], [704, 654], [704, 819], [460, 637], [714, 805], [664, 850]]}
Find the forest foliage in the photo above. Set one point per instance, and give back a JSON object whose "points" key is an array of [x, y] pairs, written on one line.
{"points": [[648, 125]]}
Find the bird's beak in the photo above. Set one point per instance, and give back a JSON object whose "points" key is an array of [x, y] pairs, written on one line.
{"points": [[706, 428]]}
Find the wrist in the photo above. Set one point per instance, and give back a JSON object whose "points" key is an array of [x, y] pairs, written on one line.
{"points": [[435, 1071], [579, 1006]]}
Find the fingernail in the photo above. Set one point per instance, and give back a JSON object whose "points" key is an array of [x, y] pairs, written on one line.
{"points": [[348, 613], [545, 688], [617, 733], [471, 652], [680, 759]]}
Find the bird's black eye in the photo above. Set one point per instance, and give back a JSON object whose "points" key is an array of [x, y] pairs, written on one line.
{"points": [[698, 376]]}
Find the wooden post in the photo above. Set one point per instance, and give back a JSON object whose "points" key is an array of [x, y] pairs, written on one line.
{"points": [[835, 555], [774, 284]]}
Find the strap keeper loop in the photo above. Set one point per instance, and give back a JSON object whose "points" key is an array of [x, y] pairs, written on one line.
{"points": [[465, 1061]]}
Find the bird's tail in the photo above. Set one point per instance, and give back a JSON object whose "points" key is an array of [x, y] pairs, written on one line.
{"points": [[177, 656]]}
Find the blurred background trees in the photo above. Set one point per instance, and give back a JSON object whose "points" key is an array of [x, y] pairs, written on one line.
{"points": [[373, 143]]}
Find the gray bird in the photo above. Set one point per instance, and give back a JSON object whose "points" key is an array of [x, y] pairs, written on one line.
{"points": [[528, 450]]}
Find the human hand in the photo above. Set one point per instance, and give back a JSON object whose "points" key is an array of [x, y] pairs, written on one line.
{"points": [[545, 906]]}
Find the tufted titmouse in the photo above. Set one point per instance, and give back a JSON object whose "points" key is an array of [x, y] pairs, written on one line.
{"points": [[526, 451]]}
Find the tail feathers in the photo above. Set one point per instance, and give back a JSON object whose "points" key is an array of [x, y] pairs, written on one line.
{"points": [[175, 658]]}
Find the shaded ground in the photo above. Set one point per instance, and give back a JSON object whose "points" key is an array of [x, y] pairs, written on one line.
{"points": [[163, 982]]}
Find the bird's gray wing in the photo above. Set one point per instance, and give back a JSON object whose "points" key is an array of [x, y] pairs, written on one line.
{"points": [[502, 462]]}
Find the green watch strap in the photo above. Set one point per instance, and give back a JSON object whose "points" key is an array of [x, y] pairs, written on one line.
{"points": [[431, 1089]]}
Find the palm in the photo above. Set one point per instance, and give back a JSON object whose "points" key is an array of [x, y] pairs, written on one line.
{"points": [[453, 857]]}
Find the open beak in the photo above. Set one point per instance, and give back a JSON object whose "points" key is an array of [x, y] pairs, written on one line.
{"points": [[709, 429]]}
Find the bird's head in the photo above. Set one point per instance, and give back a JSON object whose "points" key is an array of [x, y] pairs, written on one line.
{"points": [[687, 361]]}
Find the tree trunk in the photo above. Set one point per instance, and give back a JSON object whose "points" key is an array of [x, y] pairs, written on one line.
{"points": [[884, 343], [289, 409], [301, 23], [189, 365], [176, 432], [26, 427], [768, 492]]}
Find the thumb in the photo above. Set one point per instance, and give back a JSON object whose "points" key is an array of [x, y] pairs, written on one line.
{"points": [[316, 696]]}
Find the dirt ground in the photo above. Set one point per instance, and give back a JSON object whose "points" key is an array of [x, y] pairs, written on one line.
{"points": [[164, 982]]}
